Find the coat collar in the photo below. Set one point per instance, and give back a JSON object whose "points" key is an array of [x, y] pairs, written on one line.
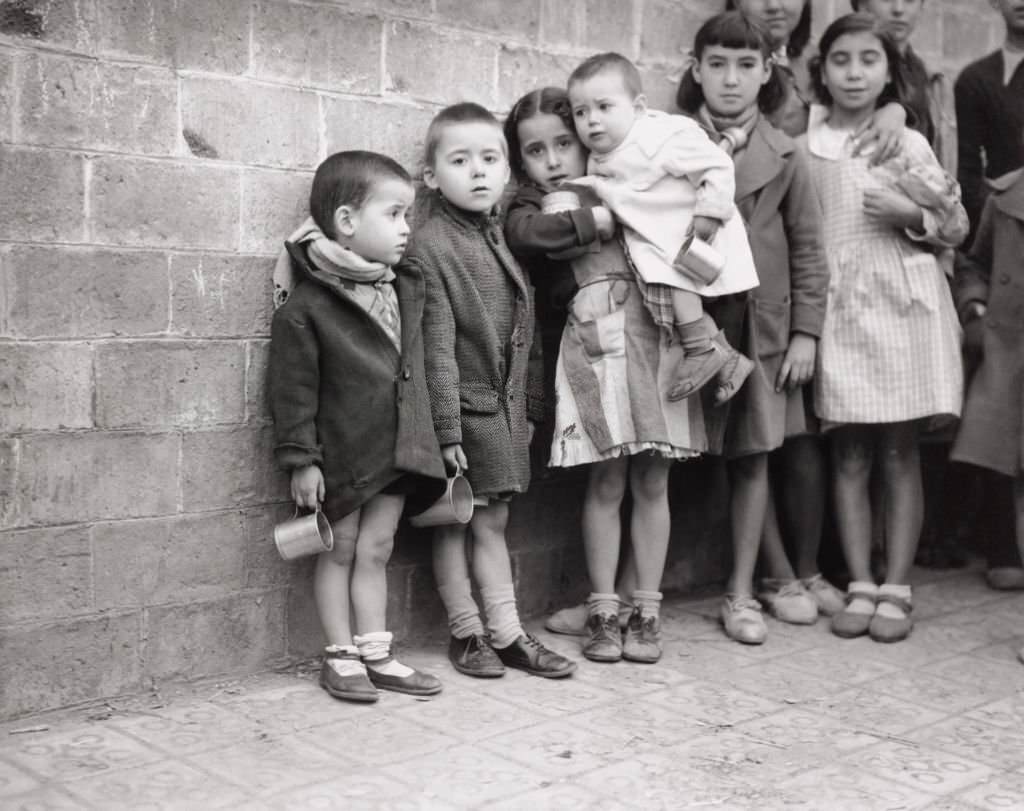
{"points": [[763, 159], [1009, 193]]}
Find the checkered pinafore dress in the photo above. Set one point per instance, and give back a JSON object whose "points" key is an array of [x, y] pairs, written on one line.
{"points": [[890, 346]]}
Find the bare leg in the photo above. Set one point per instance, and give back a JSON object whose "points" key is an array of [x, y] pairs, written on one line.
{"points": [[491, 565], [803, 491], [904, 497], [774, 557], [331, 582], [852, 456], [651, 523], [377, 525], [747, 505], [602, 529]]}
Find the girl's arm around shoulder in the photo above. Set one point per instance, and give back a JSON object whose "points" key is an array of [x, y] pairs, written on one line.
{"points": [[529, 232], [944, 220], [802, 220], [293, 379], [973, 271]]}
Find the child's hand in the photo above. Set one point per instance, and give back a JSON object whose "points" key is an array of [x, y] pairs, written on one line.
{"points": [[885, 133], [604, 221], [531, 429], [893, 208], [705, 228], [454, 458], [974, 337], [307, 487], [798, 364]]}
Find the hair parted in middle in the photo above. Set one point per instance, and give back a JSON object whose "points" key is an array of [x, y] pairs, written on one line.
{"points": [[731, 29], [609, 61], [465, 112], [544, 101]]}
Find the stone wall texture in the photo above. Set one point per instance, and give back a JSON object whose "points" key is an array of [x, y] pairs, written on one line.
{"points": [[153, 154]]}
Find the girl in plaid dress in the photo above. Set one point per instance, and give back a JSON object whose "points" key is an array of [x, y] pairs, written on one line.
{"points": [[889, 351]]}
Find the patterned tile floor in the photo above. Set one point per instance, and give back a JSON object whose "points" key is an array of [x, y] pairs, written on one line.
{"points": [[807, 721]]}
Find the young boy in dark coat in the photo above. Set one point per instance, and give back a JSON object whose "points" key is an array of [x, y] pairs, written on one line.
{"points": [[478, 332], [350, 405]]}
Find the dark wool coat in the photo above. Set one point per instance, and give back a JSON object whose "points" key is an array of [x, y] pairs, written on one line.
{"points": [[992, 430], [343, 397], [482, 386], [776, 198]]}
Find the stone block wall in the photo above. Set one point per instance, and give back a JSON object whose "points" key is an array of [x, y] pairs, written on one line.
{"points": [[153, 154]]}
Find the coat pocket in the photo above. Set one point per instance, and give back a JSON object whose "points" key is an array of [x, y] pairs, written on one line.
{"points": [[479, 398]]}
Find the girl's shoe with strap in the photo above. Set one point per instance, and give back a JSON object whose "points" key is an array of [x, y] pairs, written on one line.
{"points": [[344, 676], [855, 618], [387, 673], [892, 621]]}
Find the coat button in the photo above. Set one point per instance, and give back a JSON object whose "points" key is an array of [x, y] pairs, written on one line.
{"points": [[1004, 278], [406, 374]]}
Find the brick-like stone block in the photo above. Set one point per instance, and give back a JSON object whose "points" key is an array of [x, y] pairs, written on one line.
{"points": [[960, 28], [6, 96], [403, 8], [218, 295], [193, 34], [82, 292], [70, 102], [169, 384], [52, 562], [331, 48], [237, 634], [97, 475], [238, 120], [668, 29], [611, 27], [398, 130], [154, 203], [232, 468], [168, 560], [563, 22], [425, 613], [70, 24], [661, 83], [263, 565], [535, 573], [274, 203], [54, 665], [519, 20], [45, 386], [43, 195], [305, 637], [467, 76], [10, 463], [257, 401], [525, 69]]}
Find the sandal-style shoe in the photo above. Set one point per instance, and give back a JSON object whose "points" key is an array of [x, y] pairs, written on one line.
{"points": [[851, 624], [891, 629]]}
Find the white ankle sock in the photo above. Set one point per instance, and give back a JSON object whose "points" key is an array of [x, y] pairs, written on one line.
{"points": [[888, 610], [649, 602], [604, 604], [345, 667], [860, 605], [375, 647]]}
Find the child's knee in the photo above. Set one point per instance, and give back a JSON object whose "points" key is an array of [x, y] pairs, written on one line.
{"points": [[648, 482], [853, 459], [345, 536], [374, 547], [607, 484], [750, 468]]}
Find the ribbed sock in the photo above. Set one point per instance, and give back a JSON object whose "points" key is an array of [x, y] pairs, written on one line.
{"points": [[502, 614], [695, 336], [375, 647], [463, 614], [649, 602], [605, 605]]}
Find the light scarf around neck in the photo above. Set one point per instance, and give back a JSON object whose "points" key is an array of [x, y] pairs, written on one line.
{"points": [[328, 256], [745, 121]]}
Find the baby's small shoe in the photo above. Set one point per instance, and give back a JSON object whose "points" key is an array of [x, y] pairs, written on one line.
{"points": [[788, 601], [696, 370], [855, 618], [741, 616], [830, 600], [344, 676], [731, 376], [892, 621]]}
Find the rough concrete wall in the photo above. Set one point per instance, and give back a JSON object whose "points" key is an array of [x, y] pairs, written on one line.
{"points": [[153, 153]]}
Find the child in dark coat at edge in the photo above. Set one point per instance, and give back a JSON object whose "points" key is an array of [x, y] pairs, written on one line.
{"points": [[478, 333], [350, 405]]}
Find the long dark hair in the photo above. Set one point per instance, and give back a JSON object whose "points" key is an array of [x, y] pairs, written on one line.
{"points": [[859, 23], [732, 30], [801, 34], [549, 100]]}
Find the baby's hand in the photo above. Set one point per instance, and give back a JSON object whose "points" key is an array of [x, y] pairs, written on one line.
{"points": [[307, 487], [454, 458], [705, 228], [894, 208], [604, 221]]}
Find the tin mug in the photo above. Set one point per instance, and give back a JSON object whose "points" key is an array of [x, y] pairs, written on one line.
{"points": [[698, 261], [304, 535], [455, 506], [556, 202]]}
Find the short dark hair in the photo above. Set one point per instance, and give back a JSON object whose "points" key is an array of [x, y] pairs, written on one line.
{"points": [[732, 30], [801, 34], [859, 23], [546, 100], [346, 179], [608, 61], [465, 112]]}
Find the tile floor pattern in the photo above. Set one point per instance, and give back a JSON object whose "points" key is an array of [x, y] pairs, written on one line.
{"points": [[807, 721]]}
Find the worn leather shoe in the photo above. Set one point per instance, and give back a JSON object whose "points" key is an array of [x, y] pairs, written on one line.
{"points": [[642, 642], [474, 656], [603, 641], [355, 686], [529, 655], [416, 683]]}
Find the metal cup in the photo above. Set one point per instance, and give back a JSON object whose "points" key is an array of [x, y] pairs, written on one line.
{"points": [[304, 535], [455, 506], [699, 261], [556, 202]]}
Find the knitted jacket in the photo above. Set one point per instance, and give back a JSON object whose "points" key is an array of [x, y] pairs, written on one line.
{"points": [[483, 384]]}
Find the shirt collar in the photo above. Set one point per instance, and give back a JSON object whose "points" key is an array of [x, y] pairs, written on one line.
{"points": [[1011, 61]]}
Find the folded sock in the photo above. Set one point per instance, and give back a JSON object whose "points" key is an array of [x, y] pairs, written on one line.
{"points": [[605, 605], [502, 614], [345, 667], [375, 651], [463, 614], [861, 605], [889, 610], [649, 602], [695, 336]]}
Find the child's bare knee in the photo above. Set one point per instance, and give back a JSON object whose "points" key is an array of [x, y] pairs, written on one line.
{"points": [[345, 536], [375, 547]]}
